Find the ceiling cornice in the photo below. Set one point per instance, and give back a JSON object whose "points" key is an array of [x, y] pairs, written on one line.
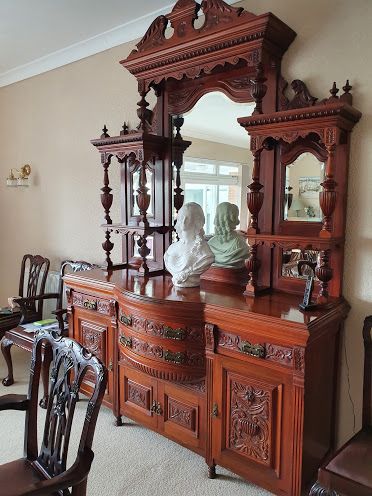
{"points": [[91, 46]]}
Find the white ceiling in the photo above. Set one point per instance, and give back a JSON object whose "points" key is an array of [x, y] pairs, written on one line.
{"points": [[214, 118], [40, 35]]}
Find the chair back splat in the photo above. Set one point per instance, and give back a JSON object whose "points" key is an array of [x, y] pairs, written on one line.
{"points": [[70, 362]]}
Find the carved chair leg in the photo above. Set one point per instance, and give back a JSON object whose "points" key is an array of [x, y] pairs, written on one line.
{"points": [[6, 344], [47, 359], [212, 472], [80, 489], [318, 490]]}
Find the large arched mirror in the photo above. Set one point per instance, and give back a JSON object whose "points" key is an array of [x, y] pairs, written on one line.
{"points": [[217, 165]]}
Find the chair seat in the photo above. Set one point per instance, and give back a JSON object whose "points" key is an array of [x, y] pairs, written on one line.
{"points": [[354, 461], [18, 475], [21, 338]]}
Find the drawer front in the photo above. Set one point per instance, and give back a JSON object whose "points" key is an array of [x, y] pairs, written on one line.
{"points": [[238, 346], [94, 303]]}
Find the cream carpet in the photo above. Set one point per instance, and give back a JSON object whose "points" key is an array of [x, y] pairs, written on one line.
{"points": [[129, 460]]}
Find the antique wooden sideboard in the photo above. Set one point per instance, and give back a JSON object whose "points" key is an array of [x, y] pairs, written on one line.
{"points": [[239, 374]]}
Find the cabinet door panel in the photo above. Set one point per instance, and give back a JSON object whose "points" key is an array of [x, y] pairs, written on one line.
{"points": [[251, 421], [95, 333], [184, 416], [138, 396]]}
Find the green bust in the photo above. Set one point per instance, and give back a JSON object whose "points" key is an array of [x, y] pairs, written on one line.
{"points": [[229, 246]]}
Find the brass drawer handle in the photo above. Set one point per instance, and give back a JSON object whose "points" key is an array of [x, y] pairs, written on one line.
{"points": [[177, 358], [256, 350], [125, 319], [156, 408], [125, 341], [90, 304]]}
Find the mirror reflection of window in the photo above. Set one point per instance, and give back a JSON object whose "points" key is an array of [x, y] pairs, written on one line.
{"points": [[217, 166], [210, 183], [302, 187]]}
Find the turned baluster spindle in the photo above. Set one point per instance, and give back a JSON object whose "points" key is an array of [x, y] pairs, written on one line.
{"points": [[255, 196], [178, 161], [253, 266], [324, 273], [143, 197], [328, 196], [144, 114], [258, 88], [144, 251], [106, 200]]}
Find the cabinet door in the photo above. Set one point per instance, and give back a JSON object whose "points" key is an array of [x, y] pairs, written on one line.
{"points": [[138, 397], [183, 416], [95, 333], [251, 426]]}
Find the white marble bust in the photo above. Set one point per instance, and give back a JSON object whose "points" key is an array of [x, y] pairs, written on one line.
{"points": [[189, 257]]}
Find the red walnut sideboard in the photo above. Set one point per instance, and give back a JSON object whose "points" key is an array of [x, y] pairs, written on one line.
{"points": [[246, 383]]}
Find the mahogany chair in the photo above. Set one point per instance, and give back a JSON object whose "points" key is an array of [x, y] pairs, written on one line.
{"points": [[43, 471], [34, 271], [349, 473], [19, 337]]}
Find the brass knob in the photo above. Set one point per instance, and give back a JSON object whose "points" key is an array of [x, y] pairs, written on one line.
{"points": [[214, 413]]}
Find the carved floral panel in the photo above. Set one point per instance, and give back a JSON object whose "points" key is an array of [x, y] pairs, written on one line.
{"points": [[250, 419], [138, 395], [93, 338], [182, 414]]}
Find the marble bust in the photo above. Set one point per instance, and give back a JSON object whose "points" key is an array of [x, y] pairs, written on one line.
{"points": [[189, 257], [229, 246]]}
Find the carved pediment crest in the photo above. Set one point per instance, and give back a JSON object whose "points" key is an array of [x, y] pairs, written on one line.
{"points": [[154, 35]]}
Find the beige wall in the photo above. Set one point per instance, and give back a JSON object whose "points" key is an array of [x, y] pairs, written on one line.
{"points": [[48, 121]]}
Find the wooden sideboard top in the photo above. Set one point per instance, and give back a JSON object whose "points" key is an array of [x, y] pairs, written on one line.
{"points": [[230, 299]]}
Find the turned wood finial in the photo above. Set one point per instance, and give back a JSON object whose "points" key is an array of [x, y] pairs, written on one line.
{"points": [[334, 90], [105, 132], [178, 123], [347, 88], [259, 88], [347, 96], [125, 129]]}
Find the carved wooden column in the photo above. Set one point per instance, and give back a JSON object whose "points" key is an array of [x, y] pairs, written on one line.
{"points": [[324, 273], [212, 410], [106, 200], [298, 421], [328, 196], [255, 196], [253, 265], [178, 161]]}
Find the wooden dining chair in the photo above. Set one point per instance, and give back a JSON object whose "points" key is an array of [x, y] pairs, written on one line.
{"points": [[349, 472], [34, 272], [44, 471], [18, 336]]}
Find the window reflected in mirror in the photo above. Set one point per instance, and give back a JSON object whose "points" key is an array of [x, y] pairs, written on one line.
{"points": [[302, 187], [299, 263], [217, 165]]}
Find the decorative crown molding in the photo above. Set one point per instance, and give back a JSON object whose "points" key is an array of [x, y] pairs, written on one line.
{"points": [[108, 39]]}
